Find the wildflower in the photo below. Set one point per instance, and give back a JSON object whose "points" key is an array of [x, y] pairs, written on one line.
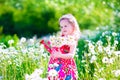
{"points": [[89, 54], [105, 60], [27, 77], [22, 40], [83, 61], [35, 75], [117, 53], [101, 79], [111, 60], [52, 73], [114, 33], [116, 73], [101, 69], [91, 46], [32, 41], [107, 50], [56, 65], [100, 49], [11, 41], [103, 34], [99, 42], [93, 59], [51, 65], [38, 71], [44, 55], [24, 50], [115, 42]]}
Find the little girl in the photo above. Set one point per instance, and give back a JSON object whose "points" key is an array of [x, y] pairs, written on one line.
{"points": [[62, 49]]}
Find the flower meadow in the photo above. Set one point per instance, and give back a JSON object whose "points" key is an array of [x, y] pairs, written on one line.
{"points": [[28, 59]]}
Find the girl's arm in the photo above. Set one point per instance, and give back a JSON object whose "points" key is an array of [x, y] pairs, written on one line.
{"points": [[58, 54], [46, 45]]}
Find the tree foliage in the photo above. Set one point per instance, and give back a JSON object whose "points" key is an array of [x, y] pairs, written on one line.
{"points": [[30, 17]]}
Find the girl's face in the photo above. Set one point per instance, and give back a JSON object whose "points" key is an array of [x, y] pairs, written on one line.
{"points": [[66, 27]]}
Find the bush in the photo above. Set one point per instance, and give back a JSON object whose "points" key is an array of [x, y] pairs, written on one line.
{"points": [[28, 17]]}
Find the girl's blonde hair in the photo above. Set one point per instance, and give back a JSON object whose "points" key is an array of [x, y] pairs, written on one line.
{"points": [[72, 20]]}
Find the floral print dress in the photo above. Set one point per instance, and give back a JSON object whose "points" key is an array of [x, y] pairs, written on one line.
{"points": [[59, 68]]}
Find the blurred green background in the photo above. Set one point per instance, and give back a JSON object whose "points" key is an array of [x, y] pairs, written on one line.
{"points": [[40, 17]]}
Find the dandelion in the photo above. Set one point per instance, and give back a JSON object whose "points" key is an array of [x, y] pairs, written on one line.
{"points": [[22, 40], [83, 61], [1, 50], [24, 51], [38, 71], [27, 77], [103, 34], [31, 49], [101, 69], [115, 42], [117, 53], [107, 50], [105, 60], [89, 54], [52, 73], [35, 75], [31, 41], [116, 73], [101, 79], [114, 33], [93, 59], [11, 41], [93, 51], [100, 49], [44, 55], [99, 42], [111, 60], [41, 49], [9, 62], [51, 65], [91, 46], [56, 65]]}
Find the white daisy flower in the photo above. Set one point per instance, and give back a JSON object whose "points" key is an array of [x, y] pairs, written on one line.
{"points": [[114, 33], [117, 53], [116, 73], [105, 60], [11, 41], [56, 65], [94, 58], [111, 60], [101, 79], [51, 65], [52, 73], [23, 39]]}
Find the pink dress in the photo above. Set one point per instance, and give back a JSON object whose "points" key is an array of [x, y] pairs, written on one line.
{"points": [[65, 68]]}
